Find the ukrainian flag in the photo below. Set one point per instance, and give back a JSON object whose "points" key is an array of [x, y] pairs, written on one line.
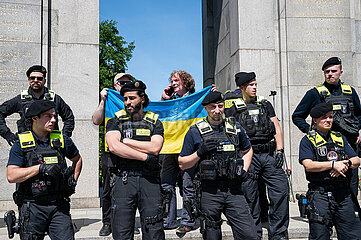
{"points": [[176, 115]]}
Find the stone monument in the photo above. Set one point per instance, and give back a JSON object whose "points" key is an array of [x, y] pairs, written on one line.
{"points": [[285, 42], [71, 57]]}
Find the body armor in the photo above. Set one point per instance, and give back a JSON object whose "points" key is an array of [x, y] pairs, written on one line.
{"points": [[141, 130], [253, 117], [343, 109], [39, 185], [225, 162], [331, 150], [26, 101]]}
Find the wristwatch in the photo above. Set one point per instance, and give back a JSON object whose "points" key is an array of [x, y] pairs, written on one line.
{"points": [[281, 150], [349, 163]]}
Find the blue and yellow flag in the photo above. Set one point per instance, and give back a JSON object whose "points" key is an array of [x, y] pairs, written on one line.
{"points": [[176, 115]]}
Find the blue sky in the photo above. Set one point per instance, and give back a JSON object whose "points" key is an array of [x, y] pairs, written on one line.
{"points": [[167, 35]]}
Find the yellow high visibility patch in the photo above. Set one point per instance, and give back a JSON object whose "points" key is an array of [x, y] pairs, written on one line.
{"points": [[229, 148], [336, 107], [253, 112], [228, 103], [51, 160], [142, 132]]}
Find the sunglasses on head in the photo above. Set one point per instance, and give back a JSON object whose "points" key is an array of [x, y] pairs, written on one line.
{"points": [[122, 82], [38, 78]]}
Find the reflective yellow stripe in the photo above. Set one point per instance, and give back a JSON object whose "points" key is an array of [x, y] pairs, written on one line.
{"points": [[26, 139], [228, 103], [142, 132], [321, 89], [151, 117], [203, 126], [122, 114], [336, 107], [337, 138], [321, 141], [346, 89], [56, 134]]}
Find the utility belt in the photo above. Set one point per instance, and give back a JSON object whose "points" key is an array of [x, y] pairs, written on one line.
{"points": [[332, 186], [134, 173], [269, 147], [47, 199], [216, 169]]}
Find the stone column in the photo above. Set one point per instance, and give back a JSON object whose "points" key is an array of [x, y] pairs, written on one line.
{"points": [[74, 75]]}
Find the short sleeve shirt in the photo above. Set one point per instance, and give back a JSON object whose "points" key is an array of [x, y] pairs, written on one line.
{"points": [[17, 156], [193, 138]]}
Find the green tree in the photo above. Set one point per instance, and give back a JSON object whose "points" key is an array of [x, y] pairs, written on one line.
{"points": [[114, 53]]}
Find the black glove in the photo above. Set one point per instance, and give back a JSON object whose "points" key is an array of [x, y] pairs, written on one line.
{"points": [[10, 138], [278, 160], [206, 147], [243, 176], [152, 162], [51, 170]]}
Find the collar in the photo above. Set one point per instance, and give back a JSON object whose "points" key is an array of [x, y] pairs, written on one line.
{"points": [[326, 137], [177, 96], [31, 92], [332, 87], [39, 141]]}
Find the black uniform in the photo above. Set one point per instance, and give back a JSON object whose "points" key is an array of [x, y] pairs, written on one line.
{"points": [[220, 176], [255, 119], [135, 184], [43, 201], [21, 102], [330, 202], [347, 114]]}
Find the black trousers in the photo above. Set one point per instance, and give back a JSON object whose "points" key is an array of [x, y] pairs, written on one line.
{"points": [[276, 182], [139, 192], [218, 198], [40, 219], [339, 212], [106, 198]]}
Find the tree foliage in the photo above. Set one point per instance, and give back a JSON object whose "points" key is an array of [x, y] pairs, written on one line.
{"points": [[114, 53]]}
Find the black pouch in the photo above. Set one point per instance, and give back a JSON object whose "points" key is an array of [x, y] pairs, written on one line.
{"points": [[236, 167], [208, 170], [39, 188]]}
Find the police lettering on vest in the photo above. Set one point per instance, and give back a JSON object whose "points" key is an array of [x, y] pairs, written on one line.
{"points": [[141, 130], [343, 108], [225, 162], [41, 186], [331, 150], [253, 117]]}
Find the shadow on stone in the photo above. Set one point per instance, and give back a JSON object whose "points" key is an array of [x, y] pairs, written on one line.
{"points": [[83, 222]]}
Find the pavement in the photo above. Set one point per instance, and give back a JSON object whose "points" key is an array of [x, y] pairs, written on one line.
{"points": [[87, 223]]}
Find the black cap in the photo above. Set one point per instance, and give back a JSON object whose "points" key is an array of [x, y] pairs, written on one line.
{"points": [[36, 68], [320, 109], [213, 97], [133, 86], [244, 77], [38, 107], [331, 61]]}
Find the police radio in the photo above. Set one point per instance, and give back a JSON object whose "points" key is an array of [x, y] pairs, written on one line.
{"points": [[302, 204]]}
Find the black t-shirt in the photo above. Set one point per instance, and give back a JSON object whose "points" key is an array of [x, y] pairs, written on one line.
{"points": [[17, 157]]}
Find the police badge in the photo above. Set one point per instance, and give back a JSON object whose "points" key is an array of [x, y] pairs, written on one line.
{"points": [[332, 156], [322, 151], [344, 107]]}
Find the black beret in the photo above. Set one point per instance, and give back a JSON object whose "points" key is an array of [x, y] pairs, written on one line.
{"points": [[213, 97], [38, 107], [133, 86], [320, 109], [36, 68], [244, 77], [331, 61]]}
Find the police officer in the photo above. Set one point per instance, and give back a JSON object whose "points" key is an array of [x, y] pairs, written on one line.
{"points": [[346, 106], [37, 79], [257, 117], [135, 138], [98, 118], [222, 152], [37, 163], [328, 159]]}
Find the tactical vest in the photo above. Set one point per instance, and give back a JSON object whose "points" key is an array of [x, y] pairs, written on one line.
{"points": [[225, 162], [26, 101], [141, 130], [331, 150], [343, 109], [253, 117], [39, 185]]}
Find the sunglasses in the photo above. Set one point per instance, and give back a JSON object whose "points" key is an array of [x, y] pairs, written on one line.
{"points": [[38, 78], [121, 82]]}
